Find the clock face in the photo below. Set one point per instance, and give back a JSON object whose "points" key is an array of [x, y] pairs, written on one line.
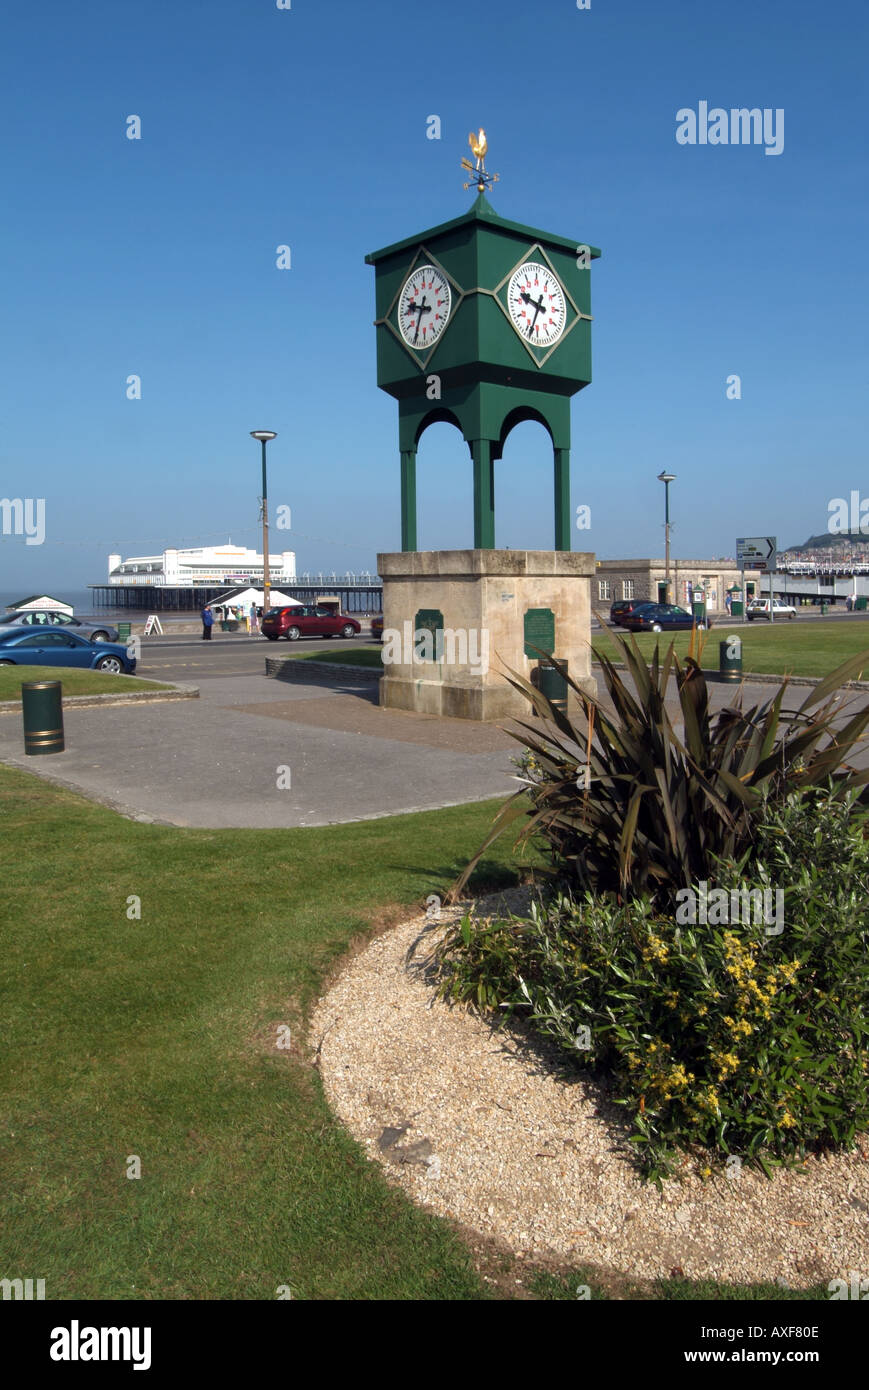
{"points": [[424, 307], [537, 306]]}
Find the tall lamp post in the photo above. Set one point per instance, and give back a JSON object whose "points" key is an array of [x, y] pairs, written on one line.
{"points": [[264, 436], [666, 479]]}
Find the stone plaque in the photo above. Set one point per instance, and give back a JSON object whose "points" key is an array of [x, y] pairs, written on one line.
{"points": [[539, 632]]}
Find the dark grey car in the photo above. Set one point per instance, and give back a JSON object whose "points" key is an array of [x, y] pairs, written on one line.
{"points": [[49, 617]]}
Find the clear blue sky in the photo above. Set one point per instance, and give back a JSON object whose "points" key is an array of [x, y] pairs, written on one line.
{"points": [[308, 127]]}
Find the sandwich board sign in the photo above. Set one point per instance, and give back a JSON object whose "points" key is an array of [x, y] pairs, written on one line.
{"points": [[153, 625], [756, 552]]}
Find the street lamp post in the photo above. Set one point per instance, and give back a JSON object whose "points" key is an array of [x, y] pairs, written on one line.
{"points": [[264, 436], [667, 479]]}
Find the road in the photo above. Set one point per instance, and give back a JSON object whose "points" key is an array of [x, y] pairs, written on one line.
{"points": [[227, 654]]}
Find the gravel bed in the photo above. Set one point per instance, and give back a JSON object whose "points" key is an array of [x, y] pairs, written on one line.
{"points": [[486, 1127]]}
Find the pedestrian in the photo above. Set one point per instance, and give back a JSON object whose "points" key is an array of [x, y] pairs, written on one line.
{"points": [[849, 603], [252, 619], [728, 602], [207, 623]]}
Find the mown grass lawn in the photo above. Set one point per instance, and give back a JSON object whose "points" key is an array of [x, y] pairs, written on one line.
{"points": [[74, 682], [157, 1038], [812, 648]]}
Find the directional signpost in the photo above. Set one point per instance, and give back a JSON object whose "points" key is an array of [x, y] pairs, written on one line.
{"points": [[757, 553]]}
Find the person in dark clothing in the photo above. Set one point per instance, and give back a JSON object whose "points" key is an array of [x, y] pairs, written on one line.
{"points": [[207, 624]]}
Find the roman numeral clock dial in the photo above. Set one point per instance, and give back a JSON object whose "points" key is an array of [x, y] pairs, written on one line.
{"points": [[424, 307], [536, 303]]}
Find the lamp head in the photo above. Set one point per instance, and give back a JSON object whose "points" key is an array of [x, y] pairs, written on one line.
{"points": [[263, 434]]}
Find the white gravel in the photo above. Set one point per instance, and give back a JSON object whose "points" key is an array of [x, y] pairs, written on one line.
{"points": [[496, 1136]]}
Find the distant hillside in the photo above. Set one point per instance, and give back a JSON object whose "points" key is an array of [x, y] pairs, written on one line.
{"points": [[826, 541]]}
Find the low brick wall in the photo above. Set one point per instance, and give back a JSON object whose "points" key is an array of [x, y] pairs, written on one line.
{"points": [[290, 668]]}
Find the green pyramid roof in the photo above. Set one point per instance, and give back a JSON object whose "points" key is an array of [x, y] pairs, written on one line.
{"points": [[480, 211]]}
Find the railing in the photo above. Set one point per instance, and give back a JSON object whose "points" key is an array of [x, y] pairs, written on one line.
{"points": [[320, 579]]}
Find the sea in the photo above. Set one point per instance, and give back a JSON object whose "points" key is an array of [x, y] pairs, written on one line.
{"points": [[84, 607]]}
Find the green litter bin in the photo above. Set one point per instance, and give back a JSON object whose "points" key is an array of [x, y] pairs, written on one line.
{"points": [[699, 611], [124, 632], [43, 717], [730, 659], [861, 603], [737, 608], [824, 607], [551, 683]]}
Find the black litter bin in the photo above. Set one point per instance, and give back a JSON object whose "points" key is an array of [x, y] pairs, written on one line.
{"points": [[730, 659], [43, 717], [551, 683]]}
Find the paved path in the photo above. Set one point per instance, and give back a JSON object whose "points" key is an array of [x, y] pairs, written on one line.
{"points": [[216, 762]]}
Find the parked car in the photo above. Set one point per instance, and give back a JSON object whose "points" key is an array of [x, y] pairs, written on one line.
{"points": [[759, 608], [625, 607], [57, 646], [377, 628], [307, 620], [95, 632], [662, 617]]}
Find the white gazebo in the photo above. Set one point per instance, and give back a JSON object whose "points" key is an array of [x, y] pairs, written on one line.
{"points": [[243, 598]]}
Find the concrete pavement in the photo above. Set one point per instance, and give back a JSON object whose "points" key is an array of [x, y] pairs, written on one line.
{"points": [[255, 752]]}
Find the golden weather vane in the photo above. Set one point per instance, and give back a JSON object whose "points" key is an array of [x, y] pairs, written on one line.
{"points": [[479, 147]]}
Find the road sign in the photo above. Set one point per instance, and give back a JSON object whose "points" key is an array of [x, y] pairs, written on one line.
{"points": [[756, 552]]}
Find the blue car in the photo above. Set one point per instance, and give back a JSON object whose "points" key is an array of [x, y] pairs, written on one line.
{"points": [[57, 646], [662, 617]]}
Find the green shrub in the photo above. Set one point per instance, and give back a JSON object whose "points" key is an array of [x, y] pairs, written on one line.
{"points": [[723, 1038], [626, 805]]}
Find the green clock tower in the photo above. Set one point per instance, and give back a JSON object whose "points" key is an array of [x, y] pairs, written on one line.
{"points": [[484, 323]]}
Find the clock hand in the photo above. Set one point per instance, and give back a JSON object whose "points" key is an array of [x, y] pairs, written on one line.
{"points": [[538, 305], [424, 308]]}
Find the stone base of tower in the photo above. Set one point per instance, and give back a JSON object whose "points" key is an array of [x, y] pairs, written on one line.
{"points": [[486, 605]]}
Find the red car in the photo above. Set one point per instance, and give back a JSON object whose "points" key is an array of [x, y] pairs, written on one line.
{"points": [[307, 620]]}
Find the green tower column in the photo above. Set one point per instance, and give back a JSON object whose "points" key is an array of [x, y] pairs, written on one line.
{"points": [[408, 499], [484, 494], [562, 499]]}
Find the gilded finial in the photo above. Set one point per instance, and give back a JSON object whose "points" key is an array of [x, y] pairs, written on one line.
{"points": [[479, 148]]}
